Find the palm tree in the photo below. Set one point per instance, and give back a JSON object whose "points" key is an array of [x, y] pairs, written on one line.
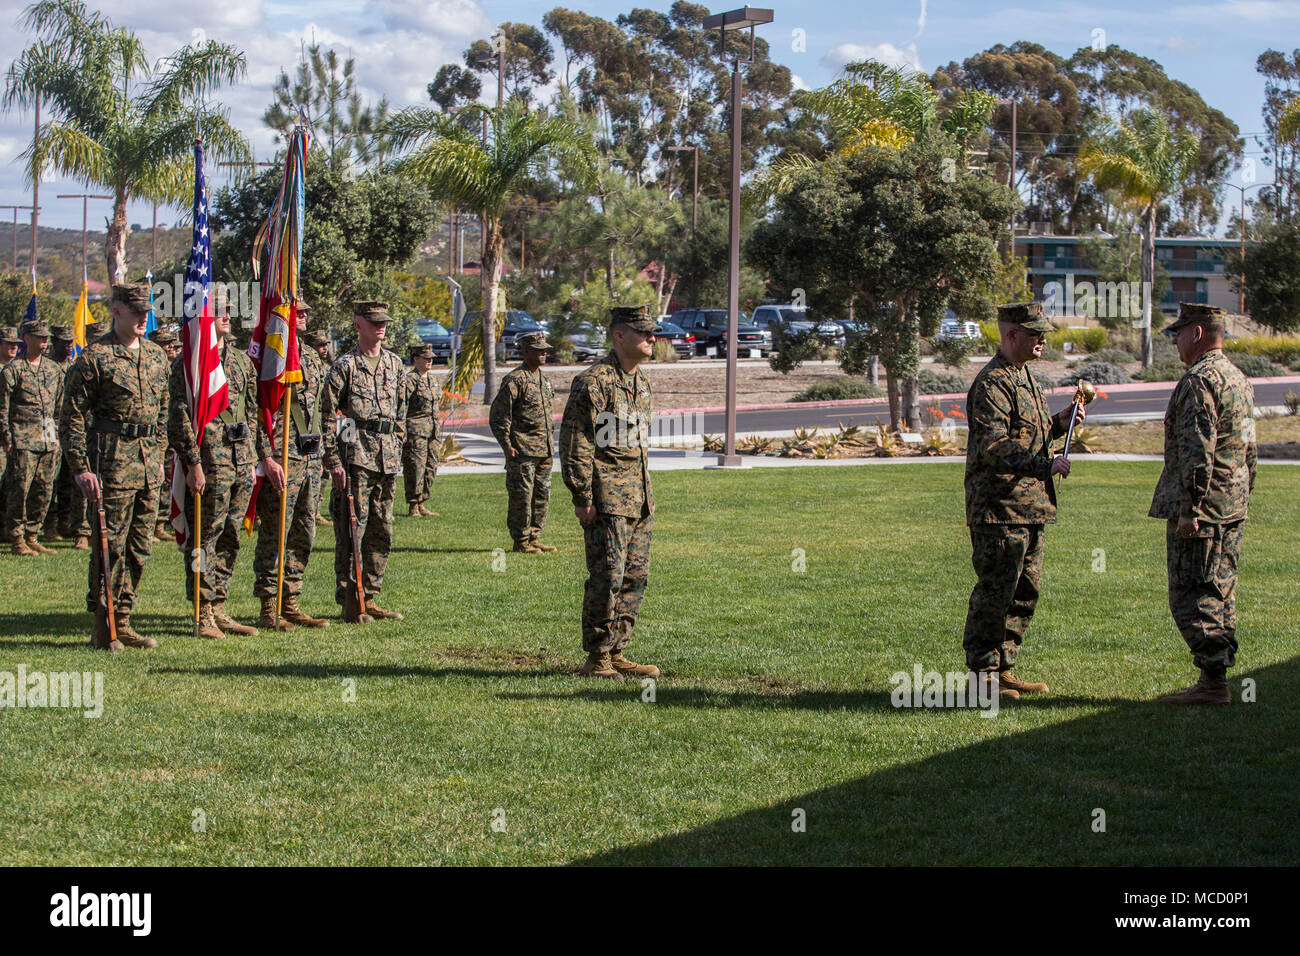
{"points": [[485, 175], [115, 121], [1143, 160]]}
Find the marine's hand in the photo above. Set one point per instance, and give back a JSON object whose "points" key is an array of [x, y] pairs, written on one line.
{"points": [[1063, 416], [1187, 528], [338, 476], [511, 453], [1061, 466], [273, 473], [586, 516], [195, 479], [89, 485]]}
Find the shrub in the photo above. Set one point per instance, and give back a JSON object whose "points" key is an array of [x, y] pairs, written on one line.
{"points": [[837, 389], [931, 382], [1044, 380], [664, 351], [1164, 371], [992, 337], [1283, 349], [1083, 340], [1255, 366], [954, 352], [1113, 356], [1052, 355], [1099, 373], [1292, 401]]}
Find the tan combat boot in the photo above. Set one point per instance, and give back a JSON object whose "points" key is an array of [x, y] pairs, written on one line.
{"points": [[413, 511], [991, 677], [207, 624], [1210, 689], [51, 533], [229, 624], [524, 546], [83, 543], [296, 615], [268, 617], [537, 543], [426, 513], [37, 546], [1007, 679], [374, 610], [599, 664], [18, 545], [324, 522], [127, 635], [630, 668]]}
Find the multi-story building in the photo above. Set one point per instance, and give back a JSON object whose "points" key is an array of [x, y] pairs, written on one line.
{"points": [[1060, 272]]}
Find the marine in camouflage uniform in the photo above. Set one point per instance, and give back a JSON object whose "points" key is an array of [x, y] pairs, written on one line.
{"points": [[320, 342], [308, 426], [31, 395], [521, 421], [67, 514], [1010, 497], [604, 462], [113, 425], [9, 342], [369, 392], [423, 438], [1204, 494], [226, 456]]}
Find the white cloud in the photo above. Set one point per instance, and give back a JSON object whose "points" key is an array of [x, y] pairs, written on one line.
{"points": [[447, 18], [798, 82], [886, 53]]}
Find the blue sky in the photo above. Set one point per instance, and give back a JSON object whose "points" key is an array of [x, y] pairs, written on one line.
{"points": [[1212, 46]]}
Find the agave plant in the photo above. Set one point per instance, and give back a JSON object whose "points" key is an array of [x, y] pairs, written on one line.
{"points": [[887, 443], [756, 445], [935, 444], [851, 435], [451, 450], [712, 443], [804, 435], [1084, 440]]}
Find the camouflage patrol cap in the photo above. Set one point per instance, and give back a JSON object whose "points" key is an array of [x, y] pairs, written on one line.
{"points": [[9, 336], [1194, 312], [1027, 315], [133, 295], [372, 311], [303, 307], [533, 340], [61, 333], [163, 335], [315, 339], [634, 317], [36, 327], [422, 351]]}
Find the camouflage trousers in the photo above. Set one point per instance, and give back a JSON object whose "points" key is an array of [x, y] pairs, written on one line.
{"points": [[1203, 592], [225, 501], [29, 490], [528, 487], [618, 568], [1009, 562], [419, 468], [301, 501], [129, 514], [372, 495], [68, 513]]}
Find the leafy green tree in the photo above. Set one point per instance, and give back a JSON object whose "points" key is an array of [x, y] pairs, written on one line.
{"points": [[899, 232], [528, 59], [1281, 112], [1144, 160], [115, 122], [458, 167], [453, 87], [1271, 276], [324, 90]]}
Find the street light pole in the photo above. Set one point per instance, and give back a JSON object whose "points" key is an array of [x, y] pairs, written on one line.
{"points": [[1241, 292], [85, 203], [14, 254], [36, 185], [745, 17]]}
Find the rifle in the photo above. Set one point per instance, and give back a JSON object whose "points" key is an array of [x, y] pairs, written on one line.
{"points": [[356, 549], [104, 633]]}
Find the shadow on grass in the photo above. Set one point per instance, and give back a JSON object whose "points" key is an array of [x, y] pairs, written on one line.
{"points": [[1178, 786], [44, 630], [321, 671], [672, 695]]}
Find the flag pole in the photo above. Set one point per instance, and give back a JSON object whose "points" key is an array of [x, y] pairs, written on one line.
{"points": [[284, 499], [198, 554]]}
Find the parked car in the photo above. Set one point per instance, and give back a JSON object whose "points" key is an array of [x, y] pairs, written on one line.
{"points": [[683, 342], [709, 326], [797, 320], [954, 328], [432, 332], [588, 341], [517, 322]]}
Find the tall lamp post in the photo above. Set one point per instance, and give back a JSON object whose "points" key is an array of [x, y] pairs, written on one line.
{"points": [[85, 202], [1241, 293], [13, 263], [744, 18]]}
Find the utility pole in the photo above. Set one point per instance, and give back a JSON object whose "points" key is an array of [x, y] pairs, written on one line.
{"points": [[13, 263], [36, 185], [85, 210]]}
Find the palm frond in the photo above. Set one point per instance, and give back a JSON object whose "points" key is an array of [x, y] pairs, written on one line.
{"points": [[68, 150], [192, 72]]}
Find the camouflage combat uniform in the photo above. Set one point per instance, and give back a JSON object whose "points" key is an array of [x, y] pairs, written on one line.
{"points": [[8, 336], [1009, 500], [604, 462], [30, 400], [227, 467], [114, 423], [423, 439], [302, 483], [372, 403], [521, 419], [1210, 458], [67, 515]]}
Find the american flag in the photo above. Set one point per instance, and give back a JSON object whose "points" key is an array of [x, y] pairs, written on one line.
{"points": [[205, 379]]}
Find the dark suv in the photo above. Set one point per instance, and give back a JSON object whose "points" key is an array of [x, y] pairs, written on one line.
{"points": [[517, 322], [709, 326]]}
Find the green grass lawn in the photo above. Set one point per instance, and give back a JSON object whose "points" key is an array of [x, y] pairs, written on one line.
{"points": [[775, 697]]}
